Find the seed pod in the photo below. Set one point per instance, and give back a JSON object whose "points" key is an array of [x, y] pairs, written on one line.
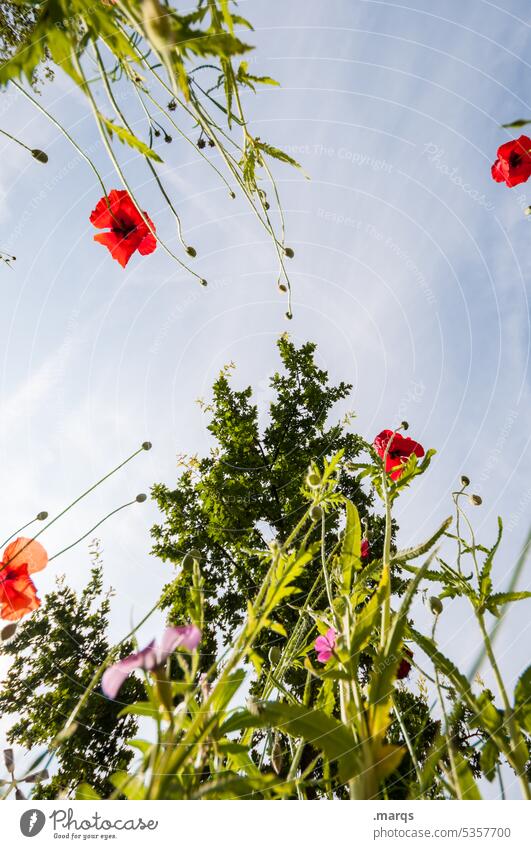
{"points": [[476, 500], [141, 497], [191, 251], [465, 481], [146, 446], [8, 631], [316, 513], [42, 515], [282, 286], [274, 655], [404, 425], [436, 605], [290, 253], [40, 156]]}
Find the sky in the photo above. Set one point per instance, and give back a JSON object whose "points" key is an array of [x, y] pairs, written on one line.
{"points": [[410, 273]]}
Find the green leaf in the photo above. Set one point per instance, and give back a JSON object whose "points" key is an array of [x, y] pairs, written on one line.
{"points": [[86, 792], [276, 153], [226, 689], [493, 603], [466, 785], [129, 785], [140, 709], [443, 664], [350, 557], [485, 582], [313, 726], [128, 138], [489, 758], [423, 547], [522, 700]]}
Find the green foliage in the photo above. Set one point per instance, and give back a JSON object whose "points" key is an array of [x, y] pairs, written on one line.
{"points": [[54, 654], [249, 490]]}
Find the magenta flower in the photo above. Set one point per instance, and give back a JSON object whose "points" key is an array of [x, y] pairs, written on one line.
{"points": [[365, 549], [153, 656], [325, 645]]}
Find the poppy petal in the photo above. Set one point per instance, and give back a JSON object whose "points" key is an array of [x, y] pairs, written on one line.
{"points": [[18, 595], [24, 550], [106, 211], [121, 248]]}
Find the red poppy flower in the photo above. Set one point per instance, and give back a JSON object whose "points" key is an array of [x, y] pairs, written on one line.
{"points": [[400, 450], [18, 595], [513, 165], [127, 232], [404, 667]]}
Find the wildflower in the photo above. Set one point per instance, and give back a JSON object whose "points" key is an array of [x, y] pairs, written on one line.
{"points": [[404, 667], [400, 450], [325, 645], [365, 549], [127, 232], [152, 657], [513, 165], [18, 594]]}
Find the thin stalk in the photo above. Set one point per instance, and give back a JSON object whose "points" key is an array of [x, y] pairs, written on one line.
{"points": [[64, 132], [119, 171]]}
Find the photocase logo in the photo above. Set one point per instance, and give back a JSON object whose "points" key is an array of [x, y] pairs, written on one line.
{"points": [[32, 822]]}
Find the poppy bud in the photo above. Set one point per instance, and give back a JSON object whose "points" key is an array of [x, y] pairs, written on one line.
{"points": [[167, 138], [141, 497], [313, 479], [191, 251], [42, 516], [404, 425], [316, 513], [146, 446], [276, 756], [436, 605], [476, 500], [204, 282], [465, 481], [289, 315], [290, 253], [232, 194], [201, 143], [266, 205], [156, 133], [40, 156], [172, 105], [274, 655], [211, 143], [282, 286], [7, 632]]}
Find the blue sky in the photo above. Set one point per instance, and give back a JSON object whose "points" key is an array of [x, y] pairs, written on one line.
{"points": [[410, 273]]}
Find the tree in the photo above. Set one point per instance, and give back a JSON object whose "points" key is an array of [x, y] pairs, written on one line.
{"points": [[55, 653], [247, 492]]}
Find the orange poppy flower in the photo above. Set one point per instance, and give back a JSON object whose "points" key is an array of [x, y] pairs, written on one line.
{"points": [[18, 594]]}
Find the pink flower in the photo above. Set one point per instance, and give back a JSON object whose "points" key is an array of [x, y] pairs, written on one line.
{"points": [[153, 656], [365, 549], [325, 645]]}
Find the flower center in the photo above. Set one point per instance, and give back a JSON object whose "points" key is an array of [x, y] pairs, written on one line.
{"points": [[514, 159]]}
